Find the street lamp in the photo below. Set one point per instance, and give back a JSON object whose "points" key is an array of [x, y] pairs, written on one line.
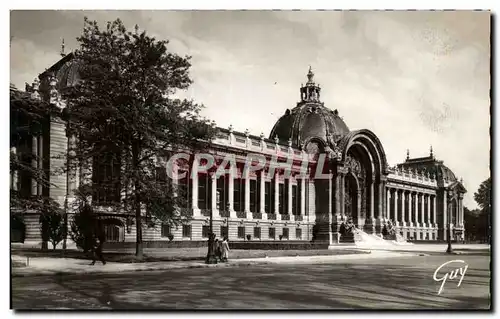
{"points": [[211, 258], [449, 250]]}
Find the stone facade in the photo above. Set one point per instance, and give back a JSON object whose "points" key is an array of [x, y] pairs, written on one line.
{"points": [[359, 185]]}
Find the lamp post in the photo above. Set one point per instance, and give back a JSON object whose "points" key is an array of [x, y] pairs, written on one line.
{"points": [[211, 258], [449, 250]]}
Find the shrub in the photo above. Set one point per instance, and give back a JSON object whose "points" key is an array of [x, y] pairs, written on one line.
{"points": [[249, 237], [82, 227], [281, 237], [170, 237], [52, 225]]}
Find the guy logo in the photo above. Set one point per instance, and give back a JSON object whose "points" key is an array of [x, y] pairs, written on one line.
{"points": [[452, 274]]}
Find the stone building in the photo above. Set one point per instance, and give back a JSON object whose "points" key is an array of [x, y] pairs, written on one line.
{"points": [[417, 195]]}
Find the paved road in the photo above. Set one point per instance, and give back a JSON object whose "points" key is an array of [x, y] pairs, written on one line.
{"points": [[393, 283]]}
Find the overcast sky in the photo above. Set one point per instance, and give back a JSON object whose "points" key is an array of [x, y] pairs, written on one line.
{"points": [[415, 79]]}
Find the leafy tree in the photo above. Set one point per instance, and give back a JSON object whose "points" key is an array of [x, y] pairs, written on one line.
{"points": [[27, 117], [52, 224], [472, 225], [483, 196], [123, 111], [483, 199]]}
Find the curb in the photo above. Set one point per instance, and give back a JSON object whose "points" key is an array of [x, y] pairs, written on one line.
{"points": [[235, 263], [15, 274]]}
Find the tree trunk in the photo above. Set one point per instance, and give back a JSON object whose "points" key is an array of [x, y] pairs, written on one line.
{"points": [[137, 188]]}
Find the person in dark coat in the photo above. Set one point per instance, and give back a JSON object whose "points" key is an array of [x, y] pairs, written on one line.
{"points": [[218, 252], [98, 243]]}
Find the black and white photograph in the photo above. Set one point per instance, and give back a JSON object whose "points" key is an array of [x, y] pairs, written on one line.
{"points": [[250, 159]]}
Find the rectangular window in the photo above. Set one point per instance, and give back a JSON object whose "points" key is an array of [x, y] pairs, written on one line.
{"points": [[285, 233], [186, 231], [256, 232], [239, 194], [223, 231], [165, 230], [205, 231], [299, 197], [204, 191], [241, 232], [272, 233], [185, 188], [298, 233], [281, 198], [267, 194], [294, 200], [221, 193], [253, 195], [106, 177]]}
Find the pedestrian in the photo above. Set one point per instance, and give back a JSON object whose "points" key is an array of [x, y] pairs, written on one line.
{"points": [[217, 251], [225, 249], [98, 245]]}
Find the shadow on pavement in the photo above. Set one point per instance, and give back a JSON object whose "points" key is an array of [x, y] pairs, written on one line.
{"points": [[338, 286]]}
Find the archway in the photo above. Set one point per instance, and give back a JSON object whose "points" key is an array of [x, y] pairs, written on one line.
{"points": [[113, 229], [351, 199]]}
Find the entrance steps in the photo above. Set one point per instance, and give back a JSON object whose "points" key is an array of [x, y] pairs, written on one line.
{"points": [[365, 240]]}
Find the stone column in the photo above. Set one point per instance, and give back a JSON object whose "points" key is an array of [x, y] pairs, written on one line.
{"points": [[445, 214], [289, 191], [34, 165], [403, 207], [302, 196], [40, 161], [262, 191], [342, 195], [434, 217], [14, 176], [422, 210], [330, 187], [58, 149], [247, 191], [276, 194], [213, 179], [371, 211], [381, 200], [409, 210], [428, 218], [231, 190], [414, 209], [72, 174], [396, 206], [461, 210], [388, 204], [194, 191]]}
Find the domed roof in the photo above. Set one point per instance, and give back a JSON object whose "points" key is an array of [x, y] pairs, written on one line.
{"points": [[310, 118], [65, 70], [430, 165], [306, 121], [67, 75], [444, 172]]}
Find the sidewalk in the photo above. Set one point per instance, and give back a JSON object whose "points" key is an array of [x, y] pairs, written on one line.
{"points": [[53, 266]]}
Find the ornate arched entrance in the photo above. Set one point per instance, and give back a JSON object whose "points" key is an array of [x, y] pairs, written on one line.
{"points": [[363, 161]]}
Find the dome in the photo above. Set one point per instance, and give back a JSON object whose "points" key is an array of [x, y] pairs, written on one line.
{"points": [[310, 118], [431, 165], [65, 71], [307, 121], [443, 172], [67, 75]]}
